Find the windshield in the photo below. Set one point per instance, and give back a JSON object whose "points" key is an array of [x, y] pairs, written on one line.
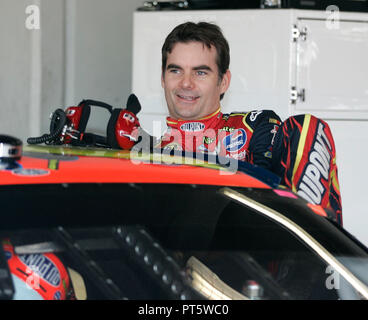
{"points": [[224, 248]]}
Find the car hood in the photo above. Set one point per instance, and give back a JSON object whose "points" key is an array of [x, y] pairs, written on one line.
{"points": [[55, 164]]}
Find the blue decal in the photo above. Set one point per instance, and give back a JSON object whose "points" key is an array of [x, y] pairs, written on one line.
{"points": [[235, 141]]}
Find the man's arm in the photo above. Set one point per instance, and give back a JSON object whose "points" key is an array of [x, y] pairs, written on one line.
{"points": [[305, 158], [265, 125]]}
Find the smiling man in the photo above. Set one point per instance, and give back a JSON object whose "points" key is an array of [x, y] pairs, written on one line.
{"points": [[195, 76]]}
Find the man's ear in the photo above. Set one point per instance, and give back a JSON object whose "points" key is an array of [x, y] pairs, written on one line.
{"points": [[225, 82], [162, 79]]}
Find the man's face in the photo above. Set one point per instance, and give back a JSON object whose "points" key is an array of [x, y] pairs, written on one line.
{"points": [[191, 81]]}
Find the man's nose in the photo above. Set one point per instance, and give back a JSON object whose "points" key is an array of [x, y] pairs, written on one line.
{"points": [[187, 81]]}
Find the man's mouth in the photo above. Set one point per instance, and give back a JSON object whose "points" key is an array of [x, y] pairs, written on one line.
{"points": [[188, 98]]}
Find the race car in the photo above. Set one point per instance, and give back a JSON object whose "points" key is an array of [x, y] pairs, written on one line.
{"points": [[101, 223]]}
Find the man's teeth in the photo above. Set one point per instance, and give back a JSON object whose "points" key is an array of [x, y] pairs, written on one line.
{"points": [[189, 98]]}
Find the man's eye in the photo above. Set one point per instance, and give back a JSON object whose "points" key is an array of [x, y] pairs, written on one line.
{"points": [[175, 71], [201, 73]]}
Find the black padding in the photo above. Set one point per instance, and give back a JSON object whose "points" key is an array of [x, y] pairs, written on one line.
{"points": [[94, 140], [111, 138], [86, 111], [133, 104]]}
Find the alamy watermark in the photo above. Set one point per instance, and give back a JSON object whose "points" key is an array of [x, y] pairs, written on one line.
{"points": [[333, 280], [33, 279], [333, 17], [32, 21]]}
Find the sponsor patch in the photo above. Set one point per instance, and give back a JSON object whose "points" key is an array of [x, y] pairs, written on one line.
{"points": [[208, 140], [239, 156], [235, 141], [271, 120], [192, 126], [254, 114], [274, 131], [268, 154], [227, 129], [173, 146]]}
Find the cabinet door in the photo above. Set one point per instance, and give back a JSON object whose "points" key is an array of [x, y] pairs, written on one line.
{"points": [[331, 65]]}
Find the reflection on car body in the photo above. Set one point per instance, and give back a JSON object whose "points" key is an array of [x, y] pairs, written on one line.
{"points": [[151, 230]]}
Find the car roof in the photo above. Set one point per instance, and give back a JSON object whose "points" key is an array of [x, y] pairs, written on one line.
{"points": [[61, 164]]}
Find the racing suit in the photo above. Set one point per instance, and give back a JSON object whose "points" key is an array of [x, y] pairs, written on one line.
{"points": [[241, 136], [300, 150]]}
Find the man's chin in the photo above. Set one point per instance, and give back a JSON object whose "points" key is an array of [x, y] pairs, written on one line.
{"points": [[187, 115]]}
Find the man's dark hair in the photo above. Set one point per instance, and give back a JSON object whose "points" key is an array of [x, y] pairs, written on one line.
{"points": [[207, 33]]}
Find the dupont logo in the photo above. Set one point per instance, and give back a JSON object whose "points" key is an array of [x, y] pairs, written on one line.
{"points": [[192, 126], [46, 269], [235, 141]]}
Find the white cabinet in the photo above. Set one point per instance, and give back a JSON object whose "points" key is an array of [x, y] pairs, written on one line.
{"points": [[291, 61], [332, 67]]}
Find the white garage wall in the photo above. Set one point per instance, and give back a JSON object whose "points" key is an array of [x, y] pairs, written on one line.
{"points": [[52, 59], [15, 61], [82, 50], [98, 50]]}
